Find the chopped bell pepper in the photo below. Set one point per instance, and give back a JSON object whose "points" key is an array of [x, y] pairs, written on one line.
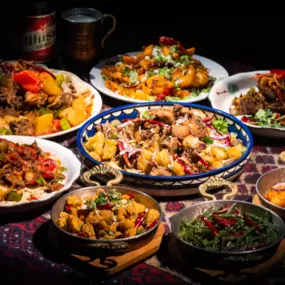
{"points": [[49, 84], [64, 124], [59, 79], [14, 196], [28, 79]]}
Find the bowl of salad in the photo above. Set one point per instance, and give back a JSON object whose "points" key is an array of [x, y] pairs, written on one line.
{"points": [[227, 234], [165, 145]]}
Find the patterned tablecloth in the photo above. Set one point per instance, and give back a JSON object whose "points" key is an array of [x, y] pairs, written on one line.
{"points": [[27, 257]]}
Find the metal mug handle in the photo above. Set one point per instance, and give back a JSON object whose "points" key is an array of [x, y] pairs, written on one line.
{"points": [[111, 30], [215, 182], [102, 170]]}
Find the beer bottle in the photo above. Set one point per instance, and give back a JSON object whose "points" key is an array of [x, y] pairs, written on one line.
{"points": [[38, 40]]}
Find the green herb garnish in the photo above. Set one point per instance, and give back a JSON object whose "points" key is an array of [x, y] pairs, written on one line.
{"points": [[126, 71], [220, 125], [207, 140], [114, 195], [101, 199]]}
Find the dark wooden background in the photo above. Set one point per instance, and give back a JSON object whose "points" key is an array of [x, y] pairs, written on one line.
{"points": [[230, 31]]}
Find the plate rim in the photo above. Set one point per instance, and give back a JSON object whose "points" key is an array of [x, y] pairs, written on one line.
{"points": [[165, 178], [119, 97]]}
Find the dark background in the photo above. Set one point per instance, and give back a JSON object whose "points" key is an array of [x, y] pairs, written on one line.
{"points": [[226, 32]]}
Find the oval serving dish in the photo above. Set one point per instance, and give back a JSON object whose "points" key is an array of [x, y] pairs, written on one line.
{"points": [[161, 183]]}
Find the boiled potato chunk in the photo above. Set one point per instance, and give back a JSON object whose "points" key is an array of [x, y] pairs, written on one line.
{"points": [[96, 143], [144, 159], [74, 117], [190, 141], [178, 169], [78, 103], [43, 124], [110, 149], [217, 164], [163, 158], [95, 155], [234, 152], [219, 153]]}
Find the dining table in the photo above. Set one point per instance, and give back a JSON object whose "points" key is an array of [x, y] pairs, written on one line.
{"points": [[28, 257]]}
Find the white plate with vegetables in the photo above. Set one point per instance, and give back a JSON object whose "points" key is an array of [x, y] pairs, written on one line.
{"points": [[256, 98], [41, 102], [36, 172], [164, 72]]}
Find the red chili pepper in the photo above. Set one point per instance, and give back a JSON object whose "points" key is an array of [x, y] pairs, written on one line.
{"points": [[238, 234], [84, 212], [186, 167], [210, 225], [165, 93], [125, 155], [107, 206], [250, 222], [32, 198], [170, 42], [245, 119], [223, 221], [151, 122], [48, 176], [205, 163], [28, 79], [131, 195], [152, 225], [125, 120], [67, 208], [236, 211], [224, 210], [140, 218]]}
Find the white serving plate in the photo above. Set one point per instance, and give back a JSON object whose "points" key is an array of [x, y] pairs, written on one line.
{"points": [[215, 70], [68, 160], [224, 91]]}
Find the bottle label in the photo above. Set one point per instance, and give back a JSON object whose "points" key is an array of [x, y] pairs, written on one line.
{"points": [[39, 38]]}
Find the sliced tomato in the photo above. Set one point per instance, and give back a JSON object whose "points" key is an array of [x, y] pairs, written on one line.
{"points": [[56, 124], [48, 165]]}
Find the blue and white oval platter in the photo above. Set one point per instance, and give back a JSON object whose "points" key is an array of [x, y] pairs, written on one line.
{"points": [[169, 185]]}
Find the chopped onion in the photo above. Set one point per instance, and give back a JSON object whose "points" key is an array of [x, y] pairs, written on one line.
{"points": [[124, 124], [279, 186], [135, 151], [182, 120], [126, 145], [218, 137]]}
